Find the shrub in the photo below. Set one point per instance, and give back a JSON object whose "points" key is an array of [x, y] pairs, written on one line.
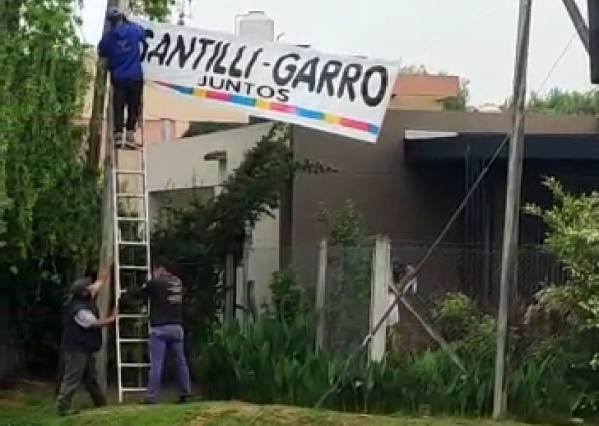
{"points": [[288, 295], [274, 361]]}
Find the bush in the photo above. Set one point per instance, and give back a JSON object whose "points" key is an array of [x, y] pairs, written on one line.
{"points": [[273, 361], [288, 295]]}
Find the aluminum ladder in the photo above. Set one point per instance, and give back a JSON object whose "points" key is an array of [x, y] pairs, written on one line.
{"points": [[131, 261]]}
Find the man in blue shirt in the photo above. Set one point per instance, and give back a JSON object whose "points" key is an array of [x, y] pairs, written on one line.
{"points": [[121, 46]]}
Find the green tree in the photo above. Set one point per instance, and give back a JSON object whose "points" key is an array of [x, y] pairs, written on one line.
{"points": [[558, 101], [573, 238], [51, 221], [459, 102], [155, 9], [349, 263]]}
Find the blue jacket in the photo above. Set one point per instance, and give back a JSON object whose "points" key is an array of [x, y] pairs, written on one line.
{"points": [[121, 48]]}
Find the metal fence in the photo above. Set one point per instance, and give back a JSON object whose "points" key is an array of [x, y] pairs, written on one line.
{"points": [[451, 270], [340, 286], [473, 271]]}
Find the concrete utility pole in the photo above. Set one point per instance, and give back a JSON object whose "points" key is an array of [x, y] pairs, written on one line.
{"points": [[97, 119], [95, 146], [576, 17], [509, 263]]}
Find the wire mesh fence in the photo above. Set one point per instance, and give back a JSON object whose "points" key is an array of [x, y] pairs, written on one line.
{"points": [[462, 280], [452, 270], [456, 279], [347, 297]]}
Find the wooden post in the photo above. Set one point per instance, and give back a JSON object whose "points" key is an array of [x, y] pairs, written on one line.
{"points": [[96, 142], [229, 284], [379, 296], [511, 230], [103, 298], [321, 289]]}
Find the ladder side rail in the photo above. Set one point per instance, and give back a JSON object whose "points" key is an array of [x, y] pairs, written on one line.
{"points": [[146, 205], [144, 235], [115, 208]]}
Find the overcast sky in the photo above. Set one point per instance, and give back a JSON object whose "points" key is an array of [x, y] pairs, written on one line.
{"points": [[474, 39]]}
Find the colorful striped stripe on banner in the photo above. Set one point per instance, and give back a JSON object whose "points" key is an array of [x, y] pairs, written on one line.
{"points": [[273, 106]]}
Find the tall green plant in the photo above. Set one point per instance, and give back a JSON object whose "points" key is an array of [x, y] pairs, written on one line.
{"points": [[51, 232], [573, 237], [289, 298], [349, 265]]}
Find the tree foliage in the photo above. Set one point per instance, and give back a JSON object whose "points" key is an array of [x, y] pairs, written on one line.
{"points": [[155, 9], [349, 264], [573, 238], [51, 221], [558, 101]]}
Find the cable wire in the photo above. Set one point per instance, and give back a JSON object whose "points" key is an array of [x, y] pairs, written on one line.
{"points": [[556, 63]]}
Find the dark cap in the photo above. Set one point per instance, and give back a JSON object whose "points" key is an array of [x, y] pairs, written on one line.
{"points": [[113, 12], [80, 285], [398, 268]]}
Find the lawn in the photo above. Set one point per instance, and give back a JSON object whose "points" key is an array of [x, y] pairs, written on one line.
{"points": [[33, 407]]}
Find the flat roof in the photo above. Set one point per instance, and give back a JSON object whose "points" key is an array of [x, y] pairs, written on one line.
{"points": [[462, 145]]}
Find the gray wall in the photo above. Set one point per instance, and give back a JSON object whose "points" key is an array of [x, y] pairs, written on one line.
{"points": [[405, 202], [402, 201]]}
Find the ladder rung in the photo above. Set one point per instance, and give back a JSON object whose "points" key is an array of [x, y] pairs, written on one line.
{"points": [[133, 390], [130, 194], [132, 316], [132, 340], [132, 243], [135, 364], [131, 219], [134, 268], [128, 172]]}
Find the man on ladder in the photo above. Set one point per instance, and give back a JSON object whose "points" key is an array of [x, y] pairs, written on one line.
{"points": [[121, 48]]}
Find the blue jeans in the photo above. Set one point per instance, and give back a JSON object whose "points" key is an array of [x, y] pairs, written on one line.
{"points": [[163, 338]]}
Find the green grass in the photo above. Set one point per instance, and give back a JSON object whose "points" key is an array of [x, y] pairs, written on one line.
{"points": [[34, 408]]}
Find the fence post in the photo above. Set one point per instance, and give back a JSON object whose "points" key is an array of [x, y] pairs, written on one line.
{"points": [[229, 283], [321, 293], [379, 295]]}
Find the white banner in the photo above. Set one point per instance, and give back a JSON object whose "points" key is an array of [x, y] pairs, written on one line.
{"points": [[338, 94]]}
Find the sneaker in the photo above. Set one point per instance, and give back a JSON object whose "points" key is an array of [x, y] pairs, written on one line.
{"points": [[118, 139], [130, 140], [184, 399], [64, 412], [146, 401]]}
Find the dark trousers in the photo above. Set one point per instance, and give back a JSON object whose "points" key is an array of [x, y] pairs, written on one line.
{"points": [[79, 368], [127, 94], [163, 338]]}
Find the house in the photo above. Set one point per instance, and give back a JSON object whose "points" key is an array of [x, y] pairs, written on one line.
{"points": [[406, 186], [178, 169], [409, 184], [424, 91]]}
